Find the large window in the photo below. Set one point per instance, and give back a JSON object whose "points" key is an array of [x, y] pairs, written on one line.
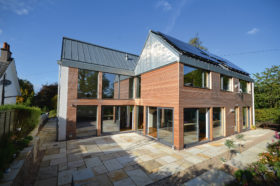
{"points": [[195, 125], [131, 83], [140, 118], [243, 86], [86, 121], [87, 83], [195, 77], [246, 116], [217, 122], [109, 82], [226, 83], [138, 87]]}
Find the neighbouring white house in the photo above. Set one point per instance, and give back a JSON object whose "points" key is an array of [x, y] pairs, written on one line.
{"points": [[9, 85]]}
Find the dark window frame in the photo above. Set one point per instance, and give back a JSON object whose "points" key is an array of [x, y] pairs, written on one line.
{"points": [[208, 74]]}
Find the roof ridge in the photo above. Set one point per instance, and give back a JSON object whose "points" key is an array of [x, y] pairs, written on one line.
{"points": [[98, 46]]}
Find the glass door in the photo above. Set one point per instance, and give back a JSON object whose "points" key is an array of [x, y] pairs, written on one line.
{"points": [[152, 122], [165, 125]]}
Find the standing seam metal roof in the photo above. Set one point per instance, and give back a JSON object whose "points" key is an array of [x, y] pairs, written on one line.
{"points": [[87, 53]]}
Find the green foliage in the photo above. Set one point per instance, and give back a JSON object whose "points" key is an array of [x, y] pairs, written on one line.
{"points": [[239, 137], [229, 144], [195, 41], [27, 92], [268, 115], [26, 118], [9, 148], [267, 88], [52, 113], [243, 176], [46, 97], [88, 84]]}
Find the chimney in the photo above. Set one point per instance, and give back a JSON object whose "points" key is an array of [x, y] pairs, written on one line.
{"points": [[5, 53]]}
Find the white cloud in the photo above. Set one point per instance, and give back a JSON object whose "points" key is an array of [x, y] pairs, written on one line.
{"points": [[1, 31], [171, 23], [19, 7], [253, 31], [165, 5]]}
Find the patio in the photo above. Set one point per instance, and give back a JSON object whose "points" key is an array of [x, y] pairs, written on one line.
{"points": [[130, 159]]}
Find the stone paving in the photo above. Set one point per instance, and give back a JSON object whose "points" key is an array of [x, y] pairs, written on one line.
{"points": [[123, 159]]}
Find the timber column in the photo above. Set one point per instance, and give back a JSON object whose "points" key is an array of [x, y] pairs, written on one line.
{"points": [[99, 109]]}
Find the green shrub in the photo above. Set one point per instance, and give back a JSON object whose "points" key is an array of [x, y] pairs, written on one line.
{"points": [[25, 117], [52, 113], [268, 115]]}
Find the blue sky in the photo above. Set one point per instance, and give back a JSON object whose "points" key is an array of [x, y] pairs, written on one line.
{"points": [[245, 32]]}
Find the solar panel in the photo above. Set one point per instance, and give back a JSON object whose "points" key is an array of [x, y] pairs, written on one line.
{"points": [[187, 48]]}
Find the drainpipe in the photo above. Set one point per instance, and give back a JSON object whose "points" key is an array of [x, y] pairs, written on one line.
{"points": [[3, 90], [253, 102]]}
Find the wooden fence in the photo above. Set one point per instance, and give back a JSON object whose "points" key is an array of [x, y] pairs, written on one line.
{"points": [[7, 122]]}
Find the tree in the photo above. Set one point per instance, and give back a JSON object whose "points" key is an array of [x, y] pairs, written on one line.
{"points": [[195, 41], [46, 97], [267, 88], [27, 92]]}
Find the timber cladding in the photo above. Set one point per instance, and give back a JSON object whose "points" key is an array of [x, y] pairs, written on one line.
{"points": [[164, 87]]}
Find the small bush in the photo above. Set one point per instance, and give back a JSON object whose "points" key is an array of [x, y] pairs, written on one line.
{"points": [[26, 118], [268, 115], [52, 113]]}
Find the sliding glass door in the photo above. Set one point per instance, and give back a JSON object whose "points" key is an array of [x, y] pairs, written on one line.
{"points": [[196, 125], [160, 124]]}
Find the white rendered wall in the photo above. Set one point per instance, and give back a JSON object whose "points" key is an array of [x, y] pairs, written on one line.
{"points": [[62, 102], [12, 90]]}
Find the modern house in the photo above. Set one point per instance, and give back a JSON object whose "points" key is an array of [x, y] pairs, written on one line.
{"points": [[9, 85], [173, 92]]}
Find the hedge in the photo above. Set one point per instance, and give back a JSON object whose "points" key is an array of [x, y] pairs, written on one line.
{"points": [[26, 117], [268, 115], [12, 143]]}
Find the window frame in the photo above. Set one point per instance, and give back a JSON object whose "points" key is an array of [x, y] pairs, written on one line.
{"points": [[208, 78], [222, 83]]}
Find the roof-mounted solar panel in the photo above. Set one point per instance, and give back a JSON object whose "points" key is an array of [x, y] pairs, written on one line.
{"points": [[192, 51]]}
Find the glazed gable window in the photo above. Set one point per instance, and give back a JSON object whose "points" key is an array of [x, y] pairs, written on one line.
{"points": [[226, 83], [87, 84], [195, 77]]}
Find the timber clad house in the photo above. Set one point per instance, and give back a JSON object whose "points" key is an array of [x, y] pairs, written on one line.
{"points": [[173, 92]]}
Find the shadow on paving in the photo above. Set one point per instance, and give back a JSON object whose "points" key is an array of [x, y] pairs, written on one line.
{"points": [[120, 159]]}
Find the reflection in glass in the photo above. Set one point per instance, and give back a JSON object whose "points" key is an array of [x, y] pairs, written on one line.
{"points": [[190, 125], [140, 118], [195, 77], [87, 83], [138, 87], [165, 129], [126, 87], [217, 123], [110, 119], [126, 114], [108, 84], [152, 122], [202, 124], [86, 121], [225, 83], [243, 86], [245, 112]]}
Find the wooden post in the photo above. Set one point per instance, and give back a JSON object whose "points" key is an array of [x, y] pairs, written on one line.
{"points": [[211, 122], [145, 120], [100, 76], [99, 119]]}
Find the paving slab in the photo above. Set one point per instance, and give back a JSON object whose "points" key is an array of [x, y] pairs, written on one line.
{"points": [[139, 177], [112, 165], [65, 177], [46, 182], [83, 175], [124, 182], [47, 172], [117, 175], [93, 162], [216, 177], [196, 182]]}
